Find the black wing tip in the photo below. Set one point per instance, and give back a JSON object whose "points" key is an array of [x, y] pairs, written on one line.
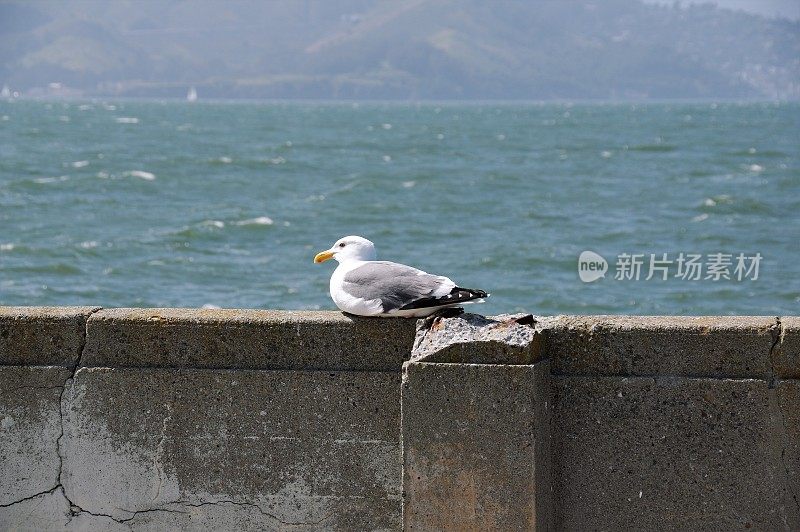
{"points": [[470, 293], [476, 293], [457, 295]]}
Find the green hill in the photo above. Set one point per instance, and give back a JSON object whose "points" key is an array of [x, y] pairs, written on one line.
{"points": [[421, 49]]}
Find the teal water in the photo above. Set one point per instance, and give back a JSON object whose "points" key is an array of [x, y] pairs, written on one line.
{"points": [[177, 204]]}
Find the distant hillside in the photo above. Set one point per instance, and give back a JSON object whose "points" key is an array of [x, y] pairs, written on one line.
{"points": [[419, 49]]}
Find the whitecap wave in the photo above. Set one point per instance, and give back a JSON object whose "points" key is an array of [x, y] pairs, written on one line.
{"points": [[261, 220], [127, 120], [141, 174], [219, 224], [43, 180]]}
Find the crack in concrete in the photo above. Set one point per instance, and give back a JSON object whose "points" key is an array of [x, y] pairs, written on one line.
{"points": [[257, 507], [29, 497], [77, 510], [158, 457], [777, 333], [136, 513], [69, 383]]}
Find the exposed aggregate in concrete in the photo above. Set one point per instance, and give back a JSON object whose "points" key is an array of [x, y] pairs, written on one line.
{"points": [[475, 339]]}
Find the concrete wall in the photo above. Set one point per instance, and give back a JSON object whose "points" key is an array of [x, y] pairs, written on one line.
{"points": [[675, 423], [150, 419], [183, 419]]}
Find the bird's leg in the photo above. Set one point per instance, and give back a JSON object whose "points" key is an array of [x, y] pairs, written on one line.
{"points": [[447, 312]]}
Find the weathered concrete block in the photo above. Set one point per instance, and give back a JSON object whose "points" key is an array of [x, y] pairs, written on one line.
{"points": [[246, 339], [787, 425], [475, 339], [42, 336], [731, 346], [668, 453], [30, 425], [174, 448], [787, 350], [476, 446]]}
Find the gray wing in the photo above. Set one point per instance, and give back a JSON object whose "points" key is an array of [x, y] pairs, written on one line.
{"points": [[396, 285]]}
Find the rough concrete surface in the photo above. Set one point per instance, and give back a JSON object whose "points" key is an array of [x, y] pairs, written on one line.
{"points": [[787, 425], [168, 448], [787, 349], [475, 446], [30, 425], [475, 339], [153, 419], [694, 346], [42, 336], [670, 453], [246, 339]]}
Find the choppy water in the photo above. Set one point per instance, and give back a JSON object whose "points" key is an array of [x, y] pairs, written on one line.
{"points": [[177, 204]]}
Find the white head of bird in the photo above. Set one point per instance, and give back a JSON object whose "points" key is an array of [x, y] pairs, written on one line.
{"points": [[348, 248]]}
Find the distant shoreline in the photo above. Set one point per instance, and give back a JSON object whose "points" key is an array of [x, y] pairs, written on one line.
{"points": [[398, 102]]}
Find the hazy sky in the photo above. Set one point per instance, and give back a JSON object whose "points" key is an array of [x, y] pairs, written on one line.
{"points": [[769, 8]]}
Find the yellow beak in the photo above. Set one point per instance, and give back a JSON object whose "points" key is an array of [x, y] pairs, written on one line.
{"points": [[322, 256]]}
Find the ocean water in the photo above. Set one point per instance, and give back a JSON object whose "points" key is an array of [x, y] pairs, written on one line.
{"points": [[175, 204]]}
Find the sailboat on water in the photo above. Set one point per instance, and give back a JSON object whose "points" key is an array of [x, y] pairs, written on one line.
{"points": [[6, 92], [191, 96]]}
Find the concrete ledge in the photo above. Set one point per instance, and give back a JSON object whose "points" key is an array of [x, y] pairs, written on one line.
{"points": [[702, 346], [246, 339], [42, 336]]}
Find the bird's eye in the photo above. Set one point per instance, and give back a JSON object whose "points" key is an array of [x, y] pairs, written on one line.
{"points": [[341, 244]]}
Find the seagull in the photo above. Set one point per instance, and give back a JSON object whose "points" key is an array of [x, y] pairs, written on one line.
{"points": [[364, 286]]}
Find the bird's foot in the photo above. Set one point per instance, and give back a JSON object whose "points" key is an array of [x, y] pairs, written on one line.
{"points": [[447, 312]]}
